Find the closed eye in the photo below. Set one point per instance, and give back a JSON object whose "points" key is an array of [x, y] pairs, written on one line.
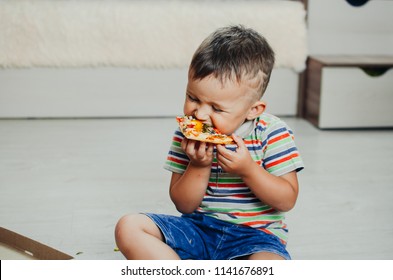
{"points": [[192, 99], [217, 110]]}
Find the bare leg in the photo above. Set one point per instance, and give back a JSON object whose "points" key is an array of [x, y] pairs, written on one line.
{"points": [[138, 238], [264, 256]]}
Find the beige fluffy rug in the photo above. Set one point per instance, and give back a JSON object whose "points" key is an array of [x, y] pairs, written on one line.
{"points": [[135, 33]]}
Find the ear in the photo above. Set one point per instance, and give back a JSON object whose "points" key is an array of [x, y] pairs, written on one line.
{"points": [[256, 109]]}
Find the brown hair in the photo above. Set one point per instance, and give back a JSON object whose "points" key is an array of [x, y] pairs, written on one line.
{"points": [[234, 52]]}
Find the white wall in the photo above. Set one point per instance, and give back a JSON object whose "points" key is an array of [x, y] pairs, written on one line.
{"points": [[336, 27]]}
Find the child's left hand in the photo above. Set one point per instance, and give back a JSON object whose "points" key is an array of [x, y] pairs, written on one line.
{"points": [[238, 161]]}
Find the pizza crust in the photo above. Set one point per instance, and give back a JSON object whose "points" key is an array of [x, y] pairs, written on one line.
{"points": [[196, 130]]}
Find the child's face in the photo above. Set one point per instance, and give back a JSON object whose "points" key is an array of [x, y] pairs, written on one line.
{"points": [[224, 105]]}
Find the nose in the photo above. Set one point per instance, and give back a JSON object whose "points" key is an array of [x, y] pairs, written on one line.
{"points": [[202, 113]]}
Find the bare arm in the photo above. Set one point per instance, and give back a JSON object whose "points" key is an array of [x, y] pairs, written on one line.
{"points": [[187, 189], [278, 192]]}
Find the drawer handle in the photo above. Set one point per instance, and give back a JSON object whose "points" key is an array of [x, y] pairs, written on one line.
{"points": [[357, 3], [375, 71]]}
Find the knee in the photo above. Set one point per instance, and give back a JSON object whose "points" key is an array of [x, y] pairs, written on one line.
{"points": [[126, 227]]}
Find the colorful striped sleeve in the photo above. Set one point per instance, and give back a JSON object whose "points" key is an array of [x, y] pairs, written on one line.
{"points": [[281, 155], [177, 160]]}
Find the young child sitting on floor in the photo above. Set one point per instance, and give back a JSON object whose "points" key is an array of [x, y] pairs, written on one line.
{"points": [[233, 198]]}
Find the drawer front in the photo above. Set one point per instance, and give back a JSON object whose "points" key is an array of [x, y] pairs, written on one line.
{"points": [[335, 27], [351, 98]]}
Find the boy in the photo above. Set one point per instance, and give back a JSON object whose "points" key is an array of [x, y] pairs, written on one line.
{"points": [[232, 197]]}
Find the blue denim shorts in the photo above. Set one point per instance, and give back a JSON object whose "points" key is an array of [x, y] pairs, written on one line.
{"points": [[200, 237]]}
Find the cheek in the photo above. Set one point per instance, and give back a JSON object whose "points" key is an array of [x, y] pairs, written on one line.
{"points": [[188, 108], [226, 125], [221, 124]]}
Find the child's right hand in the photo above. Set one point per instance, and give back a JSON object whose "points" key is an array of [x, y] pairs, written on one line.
{"points": [[199, 153]]}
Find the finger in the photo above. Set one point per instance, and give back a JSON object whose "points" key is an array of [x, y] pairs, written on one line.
{"points": [[224, 152], [239, 141], [189, 147], [184, 143], [209, 150], [223, 159], [222, 162], [201, 150]]}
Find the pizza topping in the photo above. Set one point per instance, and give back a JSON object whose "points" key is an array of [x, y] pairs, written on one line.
{"points": [[197, 130]]}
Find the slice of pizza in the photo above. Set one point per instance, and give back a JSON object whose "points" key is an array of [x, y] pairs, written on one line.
{"points": [[196, 130]]}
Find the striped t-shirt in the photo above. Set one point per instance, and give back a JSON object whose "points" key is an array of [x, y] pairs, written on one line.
{"points": [[227, 198]]}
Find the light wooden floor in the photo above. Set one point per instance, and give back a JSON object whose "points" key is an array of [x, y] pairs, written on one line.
{"points": [[65, 183]]}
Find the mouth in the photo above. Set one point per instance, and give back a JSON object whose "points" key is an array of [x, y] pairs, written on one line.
{"points": [[198, 120]]}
